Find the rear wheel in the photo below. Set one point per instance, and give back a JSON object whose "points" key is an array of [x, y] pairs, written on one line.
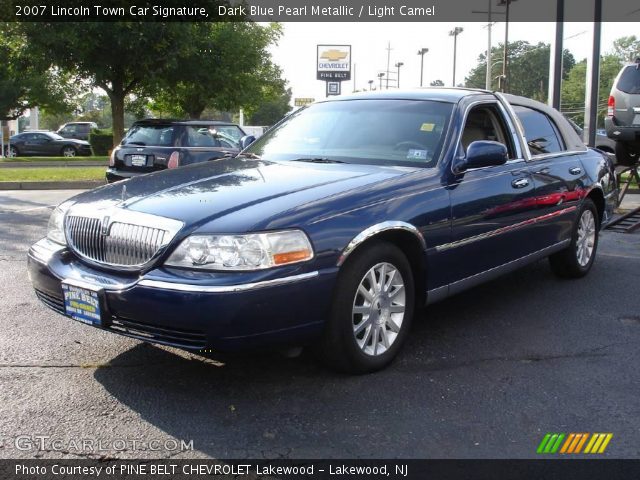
{"points": [[372, 310], [626, 155], [576, 260], [12, 151], [68, 151]]}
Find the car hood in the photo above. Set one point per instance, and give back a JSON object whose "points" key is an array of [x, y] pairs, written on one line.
{"points": [[200, 193]]}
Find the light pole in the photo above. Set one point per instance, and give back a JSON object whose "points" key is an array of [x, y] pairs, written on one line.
{"points": [[421, 52], [380, 75], [505, 55], [398, 65], [454, 33], [370, 82]]}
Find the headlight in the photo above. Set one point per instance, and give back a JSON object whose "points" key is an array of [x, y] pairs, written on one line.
{"points": [[55, 230], [242, 252]]}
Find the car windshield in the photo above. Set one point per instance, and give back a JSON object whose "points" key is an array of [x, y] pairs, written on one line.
{"points": [[391, 132], [630, 80], [220, 136], [156, 135]]}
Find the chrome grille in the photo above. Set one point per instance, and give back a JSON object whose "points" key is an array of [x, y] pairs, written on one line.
{"points": [[117, 243]]}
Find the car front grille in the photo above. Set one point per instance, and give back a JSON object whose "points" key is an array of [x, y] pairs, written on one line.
{"points": [[54, 303], [119, 239], [190, 339], [123, 245]]}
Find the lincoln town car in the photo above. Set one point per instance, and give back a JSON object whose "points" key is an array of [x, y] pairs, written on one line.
{"points": [[333, 228]]}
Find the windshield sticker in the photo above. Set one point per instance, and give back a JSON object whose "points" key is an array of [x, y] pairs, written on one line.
{"points": [[417, 154], [427, 127]]}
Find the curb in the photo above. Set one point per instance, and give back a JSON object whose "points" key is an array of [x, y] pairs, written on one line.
{"points": [[83, 184]]}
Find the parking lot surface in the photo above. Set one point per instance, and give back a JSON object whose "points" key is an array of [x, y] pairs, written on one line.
{"points": [[485, 374]]}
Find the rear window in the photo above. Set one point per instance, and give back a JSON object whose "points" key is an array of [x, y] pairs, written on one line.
{"points": [[630, 80], [218, 136], [155, 135]]}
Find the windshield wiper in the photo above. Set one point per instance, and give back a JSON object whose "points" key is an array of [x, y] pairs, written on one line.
{"points": [[317, 160]]}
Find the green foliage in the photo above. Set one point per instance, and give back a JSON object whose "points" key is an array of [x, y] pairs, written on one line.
{"points": [[272, 111], [574, 89], [25, 81], [228, 67], [627, 49], [528, 71], [101, 141], [99, 160], [440, 83]]}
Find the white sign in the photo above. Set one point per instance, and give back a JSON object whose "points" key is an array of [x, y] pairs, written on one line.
{"points": [[334, 62]]}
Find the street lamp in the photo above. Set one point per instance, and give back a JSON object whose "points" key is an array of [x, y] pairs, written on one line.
{"points": [[421, 52], [398, 65], [505, 55], [380, 75], [370, 82], [454, 33]]}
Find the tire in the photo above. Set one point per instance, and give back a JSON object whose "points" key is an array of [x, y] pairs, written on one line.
{"points": [[625, 155], [69, 151], [576, 260], [12, 151], [355, 342]]}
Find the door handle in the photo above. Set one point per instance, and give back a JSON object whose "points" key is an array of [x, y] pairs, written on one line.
{"points": [[520, 183], [575, 171]]}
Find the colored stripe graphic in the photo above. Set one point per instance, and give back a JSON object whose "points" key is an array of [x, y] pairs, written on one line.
{"points": [[573, 443]]}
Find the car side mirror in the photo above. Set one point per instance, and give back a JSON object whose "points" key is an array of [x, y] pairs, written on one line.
{"points": [[246, 141], [482, 153]]}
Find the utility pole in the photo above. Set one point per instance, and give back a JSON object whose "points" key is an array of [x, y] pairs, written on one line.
{"points": [[388, 61], [454, 33], [421, 52], [398, 65], [505, 56], [487, 81], [555, 73]]}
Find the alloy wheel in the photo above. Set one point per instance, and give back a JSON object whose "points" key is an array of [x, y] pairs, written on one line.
{"points": [[378, 309], [586, 238]]}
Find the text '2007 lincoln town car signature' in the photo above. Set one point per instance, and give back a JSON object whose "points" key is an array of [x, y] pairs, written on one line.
{"points": [[331, 228]]}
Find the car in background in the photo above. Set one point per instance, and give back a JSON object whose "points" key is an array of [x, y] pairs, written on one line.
{"points": [[46, 144], [79, 130], [623, 115], [332, 228], [603, 142], [157, 144]]}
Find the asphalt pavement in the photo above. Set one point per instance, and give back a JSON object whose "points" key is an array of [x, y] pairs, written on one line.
{"points": [[485, 374]]}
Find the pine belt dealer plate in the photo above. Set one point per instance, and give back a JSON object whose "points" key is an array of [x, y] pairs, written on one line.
{"points": [[138, 160], [82, 304]]}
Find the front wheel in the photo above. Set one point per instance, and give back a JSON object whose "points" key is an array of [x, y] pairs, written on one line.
{"points": [[372, 310], [12, 152], [576, 260]]}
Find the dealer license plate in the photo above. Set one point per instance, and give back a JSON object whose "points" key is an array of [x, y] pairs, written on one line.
{"points": [[139, 160], [82, 304]]}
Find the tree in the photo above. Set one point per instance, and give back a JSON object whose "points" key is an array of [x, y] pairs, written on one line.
{"points": [[24, 83], [437, 83], [627, 49], [272, 111], [528, 69], [121, 58], [229, 67]]}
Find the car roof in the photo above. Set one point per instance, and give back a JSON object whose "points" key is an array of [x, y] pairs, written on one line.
{"points": [[174, 121], [445, 94]]}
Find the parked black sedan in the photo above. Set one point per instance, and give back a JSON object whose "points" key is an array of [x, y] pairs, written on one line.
{"points": [[332, 227], [46, 144], [156, 144]]}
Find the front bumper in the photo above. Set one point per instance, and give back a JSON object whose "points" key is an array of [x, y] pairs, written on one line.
{"points": [[193, 310]]}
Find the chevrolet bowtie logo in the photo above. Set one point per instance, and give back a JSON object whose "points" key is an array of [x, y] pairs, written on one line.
{"points": [[334, 55]]}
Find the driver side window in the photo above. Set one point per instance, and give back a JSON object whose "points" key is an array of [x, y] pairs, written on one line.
{"points": [[485, 122]]}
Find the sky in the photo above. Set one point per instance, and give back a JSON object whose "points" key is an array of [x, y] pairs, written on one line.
{"points": [[296, 51]]}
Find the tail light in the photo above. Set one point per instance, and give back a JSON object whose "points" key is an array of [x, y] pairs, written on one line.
{"points": [[174, 160], [611, 106], [112, 158]]}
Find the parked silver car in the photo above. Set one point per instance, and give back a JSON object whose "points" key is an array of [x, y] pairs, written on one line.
{"points": [[623, 115]]}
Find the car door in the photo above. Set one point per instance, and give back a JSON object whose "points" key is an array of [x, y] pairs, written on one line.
{"points": [[30, 144], [491, 207], [558, 176]]}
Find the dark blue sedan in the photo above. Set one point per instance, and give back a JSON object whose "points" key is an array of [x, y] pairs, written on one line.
{"points": [[333, 227]]}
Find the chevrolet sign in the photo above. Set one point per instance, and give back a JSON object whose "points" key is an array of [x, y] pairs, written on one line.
{"points": [[334, 62]]}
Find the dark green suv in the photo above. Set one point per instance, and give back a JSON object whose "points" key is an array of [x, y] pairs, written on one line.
{"points": [[623, 117]]}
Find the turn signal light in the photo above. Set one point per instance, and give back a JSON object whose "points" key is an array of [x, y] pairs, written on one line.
{"points": [[174, 160], [291, 257], [611, 106]]}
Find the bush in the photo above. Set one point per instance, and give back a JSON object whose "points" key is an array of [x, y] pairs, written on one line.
{"points": [[101, 141]]}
